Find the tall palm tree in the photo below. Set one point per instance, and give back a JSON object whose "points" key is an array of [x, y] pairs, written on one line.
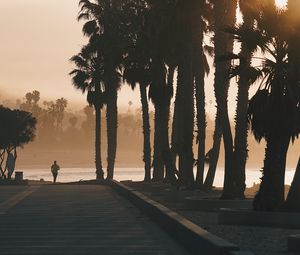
{"points": [[202, 18], [228, 189], [241, 128], [137, 72], [190, 22], [274, 105], [160, 93], [184, 103], [159, 23], [224, 16], [293, 19], [111, 27], [87, 78]]}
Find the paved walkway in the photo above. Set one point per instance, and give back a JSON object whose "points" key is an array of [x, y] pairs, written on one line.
{"points": [[77, 219]]}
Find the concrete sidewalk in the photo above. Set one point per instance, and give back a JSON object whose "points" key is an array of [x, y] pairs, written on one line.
{"points": [[80, 219]]}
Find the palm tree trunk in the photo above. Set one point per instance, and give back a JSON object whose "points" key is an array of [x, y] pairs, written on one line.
{"points": [[2, 157], [146, 132], [228, 187], [112, 125], [201, 117], [213, 160], [228, 190], [161, 100], [167, 155], [187, 155], [241, 128], [223, 10], [158, 163], [270, 196], [98, 162], [292, 202], [163, 167], [240, 141], [177, 125]]}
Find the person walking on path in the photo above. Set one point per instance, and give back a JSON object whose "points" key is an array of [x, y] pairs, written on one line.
{"points": [[54, 170]]}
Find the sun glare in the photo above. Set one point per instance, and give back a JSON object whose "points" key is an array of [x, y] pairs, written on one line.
{"points": [[281, 3]]}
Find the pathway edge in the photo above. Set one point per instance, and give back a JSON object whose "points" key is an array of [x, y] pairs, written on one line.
{"points": [[194, 238]]}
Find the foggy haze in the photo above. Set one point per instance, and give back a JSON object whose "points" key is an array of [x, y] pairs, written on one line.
{"points": [[38, 39]]}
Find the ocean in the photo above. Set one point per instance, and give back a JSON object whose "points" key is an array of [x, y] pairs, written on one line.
{"points": [[134, 174]]}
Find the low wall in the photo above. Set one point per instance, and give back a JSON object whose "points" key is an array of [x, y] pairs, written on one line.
{"points": [[195, 239]]}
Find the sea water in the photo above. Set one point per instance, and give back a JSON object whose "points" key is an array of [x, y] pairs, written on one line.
{"points": [[134, 174]]}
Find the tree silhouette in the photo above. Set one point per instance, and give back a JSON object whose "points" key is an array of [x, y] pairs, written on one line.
{"points": [[137, 71], [293, 38], [73, 121], [60, 106], [17, 129], [224, 15], [245, 73], [87, 77], [274, 110], [108, 21]]}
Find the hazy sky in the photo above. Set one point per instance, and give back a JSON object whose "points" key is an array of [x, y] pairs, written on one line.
{"points": [[37, 39]]}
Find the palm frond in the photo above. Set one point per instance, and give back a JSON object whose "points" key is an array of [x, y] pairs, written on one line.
{"points": [[83, 16], [79, 61], [90, 28], [80, 80]]}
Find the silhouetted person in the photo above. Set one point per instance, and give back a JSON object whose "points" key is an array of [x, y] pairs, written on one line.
{"points": [[54, 170]]}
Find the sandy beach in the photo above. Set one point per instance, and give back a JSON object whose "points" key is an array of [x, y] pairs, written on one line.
{"points": [[259, 240]]}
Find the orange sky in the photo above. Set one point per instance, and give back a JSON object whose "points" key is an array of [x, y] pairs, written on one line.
{"points": [[37, 39]]}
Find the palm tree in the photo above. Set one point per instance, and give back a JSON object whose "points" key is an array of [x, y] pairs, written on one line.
{"points": [[224, 12], [160, 93], [274, 105], [87, 78], [159, 23], [190, 22], [184, 102], [111, 25], [293, 19], [60, 106], [201, 67], [241, 128], [137, 71]]}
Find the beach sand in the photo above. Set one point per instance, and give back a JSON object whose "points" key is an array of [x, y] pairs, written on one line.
{"points": [[259, 240]]}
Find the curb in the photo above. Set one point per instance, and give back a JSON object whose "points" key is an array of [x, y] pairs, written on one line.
{"points": [[195, 239]]}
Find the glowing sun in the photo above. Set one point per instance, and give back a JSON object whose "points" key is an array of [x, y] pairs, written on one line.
{"points": [[281, 3]]}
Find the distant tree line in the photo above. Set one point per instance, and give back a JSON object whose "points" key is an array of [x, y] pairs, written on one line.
{"points": [[61, 129], [147, 42]]}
